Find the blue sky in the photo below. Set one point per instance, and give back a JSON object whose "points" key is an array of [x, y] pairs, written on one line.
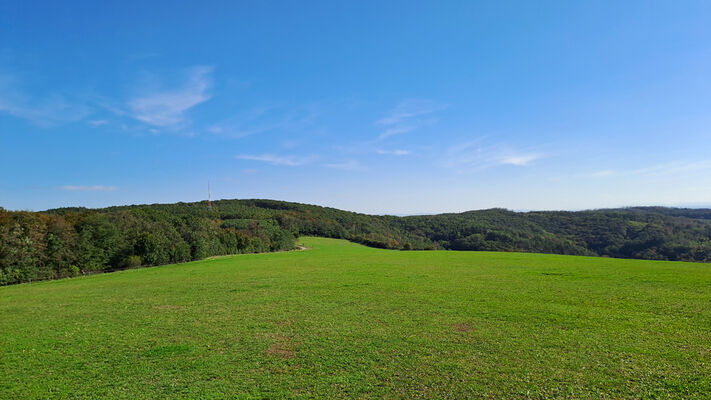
{"points": [[378, 107]]}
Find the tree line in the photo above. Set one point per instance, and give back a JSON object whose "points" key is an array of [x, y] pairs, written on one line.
{"points": [[67, 242]]}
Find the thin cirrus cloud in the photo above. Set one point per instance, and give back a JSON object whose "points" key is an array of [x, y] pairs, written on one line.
{"points": [[520, 160], [477, 155], [674, 168], [244, 124], [167, 108], [269, 118], [52, 110], [350, 165], [85, 188], [396, 130], [288, 161], [235, 132], [396, 152], [98, 122], [407, 116]]}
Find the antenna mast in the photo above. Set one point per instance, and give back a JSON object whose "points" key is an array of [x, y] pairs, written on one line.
{"points": [[209, 201]]}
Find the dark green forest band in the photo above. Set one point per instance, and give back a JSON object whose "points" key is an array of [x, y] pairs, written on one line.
{"points": [[72, 241]]}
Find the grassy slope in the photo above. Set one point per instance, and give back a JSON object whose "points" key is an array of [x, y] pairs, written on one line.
{"points": [[342, 320]]}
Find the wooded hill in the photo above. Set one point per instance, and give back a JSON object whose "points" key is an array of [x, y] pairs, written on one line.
{"points": [[71, 241]]}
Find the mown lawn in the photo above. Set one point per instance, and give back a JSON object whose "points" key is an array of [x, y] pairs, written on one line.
{"points": [[344, 321]]}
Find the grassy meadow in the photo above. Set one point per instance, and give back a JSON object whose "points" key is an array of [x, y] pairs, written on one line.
{"points": [[341, 320]]}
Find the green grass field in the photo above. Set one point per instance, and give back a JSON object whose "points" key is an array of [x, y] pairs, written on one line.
{"points": [[345, 321]]}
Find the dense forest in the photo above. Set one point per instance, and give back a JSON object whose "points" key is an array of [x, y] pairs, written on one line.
{"points": [[72, 241]]}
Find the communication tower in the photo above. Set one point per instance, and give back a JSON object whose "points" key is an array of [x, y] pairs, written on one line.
{"points": [[209, 200]]}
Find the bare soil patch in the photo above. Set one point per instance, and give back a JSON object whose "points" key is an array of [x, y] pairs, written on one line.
{"points": [[282, 350], [283, 347]]}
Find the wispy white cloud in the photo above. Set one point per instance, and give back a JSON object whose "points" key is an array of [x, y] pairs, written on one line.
{"points": [[407, 116], [395, 130], [244, 124], [350, 165], [167, 108], [98, 122], [236, 132], [673, 168], [520, 160], [397, 152], [46, 111], [602, 174], [658, 170], [478, 155], [289, 161], [270, 118], [95, 188], [408, 109]]}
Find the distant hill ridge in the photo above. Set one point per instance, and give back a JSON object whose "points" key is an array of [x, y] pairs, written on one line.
{"points": [[69, 241]]}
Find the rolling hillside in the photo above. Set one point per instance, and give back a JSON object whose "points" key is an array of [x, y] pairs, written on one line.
{"points": [[74, 241]]}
